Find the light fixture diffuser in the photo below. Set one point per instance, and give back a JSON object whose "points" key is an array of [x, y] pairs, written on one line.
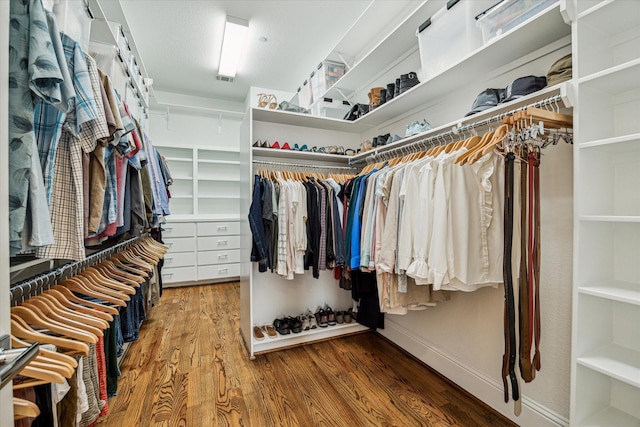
{"points": [[235, 35]]}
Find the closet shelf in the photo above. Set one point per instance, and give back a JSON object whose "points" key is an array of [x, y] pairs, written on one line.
{"points": [[305, 120], [219, 179], [182, 197], [610, 417], [614, 361], [539, 31], [219, 149], [203, 217], [401, 39], [561, 89], [306, 337], [299, 155], [178, 159], [610, 218], [614, 290], [236, 197], [611, 16], [614, 80], [626, 142], [220, 162]]}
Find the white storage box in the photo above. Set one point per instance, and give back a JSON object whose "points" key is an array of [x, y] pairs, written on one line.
{"points": [[325, 76], [508, 14], [450, 35], [327, 107]]}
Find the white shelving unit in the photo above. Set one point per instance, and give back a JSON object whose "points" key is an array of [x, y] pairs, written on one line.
{"points": [[606, 303]]}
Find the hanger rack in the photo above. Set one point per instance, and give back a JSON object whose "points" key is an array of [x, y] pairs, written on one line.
{"points": [[36, 285], [306, 166], [448, 136]]}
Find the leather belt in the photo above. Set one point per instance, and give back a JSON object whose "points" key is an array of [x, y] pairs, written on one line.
{"points": [[534, 256], [509, 357], [525, 312]]}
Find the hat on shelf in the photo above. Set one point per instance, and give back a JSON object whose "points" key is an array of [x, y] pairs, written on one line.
{"points": [[488, 98], [524, 86], [560, 71]]}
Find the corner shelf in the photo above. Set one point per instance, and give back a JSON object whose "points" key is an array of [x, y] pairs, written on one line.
{"points": [[610, 218], [299, 155]]}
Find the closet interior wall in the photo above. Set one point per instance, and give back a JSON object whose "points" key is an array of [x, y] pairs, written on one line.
{"points": [[202, 147], [462, 338], [6, 407]]}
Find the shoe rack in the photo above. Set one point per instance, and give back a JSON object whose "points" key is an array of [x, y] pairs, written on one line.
{"points": [[605, 385]]}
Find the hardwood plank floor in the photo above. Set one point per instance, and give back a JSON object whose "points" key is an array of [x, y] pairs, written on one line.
{"points": [[190, 368]]}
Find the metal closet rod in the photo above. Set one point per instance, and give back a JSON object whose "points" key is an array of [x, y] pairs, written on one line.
{"points": [[300, 165], [441, 138], [36, 285]]}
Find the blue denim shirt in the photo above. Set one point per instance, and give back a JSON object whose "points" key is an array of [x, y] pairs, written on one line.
{"points": [[259, 249]]}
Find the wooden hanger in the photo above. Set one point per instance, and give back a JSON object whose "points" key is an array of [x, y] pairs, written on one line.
{"points": [[97, 277], [129, 268], [48, 310], [477, 145], [126, 257], [40, 375], [60, 358], [110, 267], [76, 285], [107, 309], [79, 316], [33, 316], [24, 409], [21, 329], [89, 282], [117, 275]]}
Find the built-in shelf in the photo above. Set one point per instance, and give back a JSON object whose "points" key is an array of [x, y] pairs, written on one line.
{"points": [[305, 120], [237, 197], [611, 16], [399, 40], [610, 417], [614, 361], [181, 197], [614, 290], [298, 155], [204, 217], [178, 159], [268, 344], [548, 92], [620, 78], [537, 32], [219, 179], [610, 218], [621, 140], [220, 162]]}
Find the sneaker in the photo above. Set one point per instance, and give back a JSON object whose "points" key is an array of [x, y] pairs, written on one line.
{"points": [[322, 318], [340, 317], [282, 326], [347, 316], [313, 323], [331, 316], [305, 322]]}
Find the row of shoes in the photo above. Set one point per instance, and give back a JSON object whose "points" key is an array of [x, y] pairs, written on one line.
{"points": [[286, 325], [380, 95], [267, 100], [379, 141], [331, 149]]}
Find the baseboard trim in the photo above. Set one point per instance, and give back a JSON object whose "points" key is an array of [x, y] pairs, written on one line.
{"points": [[473, 381]]}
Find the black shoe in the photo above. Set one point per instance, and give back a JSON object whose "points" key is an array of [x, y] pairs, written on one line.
{"points": [[374, 143], [407, 81], [391, 88], [282, 326], [396, 88], [296, 325], [383, 96], [331, 316]]}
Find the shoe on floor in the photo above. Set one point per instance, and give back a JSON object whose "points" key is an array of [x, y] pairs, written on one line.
{"points": [[257, 333], [270, 330], [331, 316]]}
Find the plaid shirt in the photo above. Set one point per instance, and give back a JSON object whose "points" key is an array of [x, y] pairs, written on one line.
{"points": [[80, 132]]}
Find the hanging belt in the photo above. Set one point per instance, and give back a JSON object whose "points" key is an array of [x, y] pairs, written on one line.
{"points": [[534, 254], [509, 357], [526, 316]]}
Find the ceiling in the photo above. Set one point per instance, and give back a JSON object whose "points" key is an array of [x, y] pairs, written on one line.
{"points": [[179, 42]]}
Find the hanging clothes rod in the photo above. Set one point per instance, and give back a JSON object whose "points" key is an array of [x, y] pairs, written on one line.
{"points": [[29, 288], [300, 165], [451, 134]]}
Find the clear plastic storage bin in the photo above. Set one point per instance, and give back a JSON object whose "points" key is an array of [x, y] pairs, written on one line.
{"points": [[450, 35], [508, 14], [325, 76], [305, 97], [333, 108], [73, 20]]}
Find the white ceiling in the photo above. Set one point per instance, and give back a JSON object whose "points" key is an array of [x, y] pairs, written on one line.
{"points": [[179, 41]]}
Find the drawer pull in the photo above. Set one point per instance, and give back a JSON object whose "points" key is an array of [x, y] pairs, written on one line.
{"points": [[223, 228], [223, 270], [223, 256], [223, 242]]}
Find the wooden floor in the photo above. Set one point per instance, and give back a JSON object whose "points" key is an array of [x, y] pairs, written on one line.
{"points": [[190, 368]]}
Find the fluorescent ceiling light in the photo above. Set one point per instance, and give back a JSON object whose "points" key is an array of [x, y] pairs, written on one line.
{"points": [[235, 34]]}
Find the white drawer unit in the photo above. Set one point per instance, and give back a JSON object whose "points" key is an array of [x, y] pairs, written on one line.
{"points": [[218, 257], [222, 271], [218, 228], [180, 259], [181, 244], [177, 275], [215, 243], [179, 229]]}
